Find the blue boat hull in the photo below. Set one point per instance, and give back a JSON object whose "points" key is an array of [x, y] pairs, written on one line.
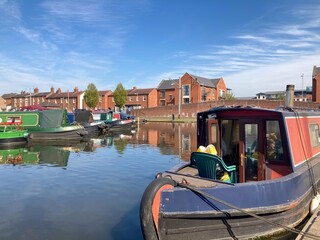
{"points": [[185, 214]]}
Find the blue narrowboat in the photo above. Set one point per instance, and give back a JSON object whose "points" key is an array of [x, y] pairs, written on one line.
{"points": [[263, 179]]}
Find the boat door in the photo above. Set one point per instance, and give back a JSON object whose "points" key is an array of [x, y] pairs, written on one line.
{"points": [[252, 166]]}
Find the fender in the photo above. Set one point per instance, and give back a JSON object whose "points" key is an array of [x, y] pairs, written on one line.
{"points": [[150, 206]]}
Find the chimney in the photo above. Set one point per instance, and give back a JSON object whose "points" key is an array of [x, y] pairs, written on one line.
{"points": [[76, 89], [289, 96], [59, 90], [52, 90], [35, 90], [134, 88]]}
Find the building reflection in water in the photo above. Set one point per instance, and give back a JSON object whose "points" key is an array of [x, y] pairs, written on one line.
{"points": [[176, 139]]}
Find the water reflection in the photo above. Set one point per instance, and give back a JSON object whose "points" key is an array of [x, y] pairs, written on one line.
{"points": [[171, 139]]}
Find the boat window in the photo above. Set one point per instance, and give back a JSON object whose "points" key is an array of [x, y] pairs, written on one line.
{"points": [[213, 134], [251, 151], [230, 141], [274, 150], [314, 135]]}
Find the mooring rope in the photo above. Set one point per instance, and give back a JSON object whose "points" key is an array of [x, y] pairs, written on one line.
{"points": [[183, 184]]}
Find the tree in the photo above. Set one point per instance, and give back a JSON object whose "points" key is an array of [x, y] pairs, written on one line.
{"points": [[230, 96], [91, 96], [120, 96]]}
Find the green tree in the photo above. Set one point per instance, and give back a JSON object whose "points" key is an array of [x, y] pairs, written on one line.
{"points": [[120, 96], [91, 96], [120, 145], [230, 96], [280, 96]]}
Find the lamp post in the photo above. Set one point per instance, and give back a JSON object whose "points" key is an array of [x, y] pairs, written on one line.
{"points": [[137, 100], [68, 99], [302, 86], [179, 102]]}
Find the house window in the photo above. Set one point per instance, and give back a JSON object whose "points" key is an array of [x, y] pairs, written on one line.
{"points": [[162, 103], [61, 100], [185, 100], [221, 93], [203, 94], [73, 101], [130, 99], [112, 99], [186, 93], [137, 98], [314, 135], [144, 98], [170, 97], [162, 94], [186, 90], [55, 101]]}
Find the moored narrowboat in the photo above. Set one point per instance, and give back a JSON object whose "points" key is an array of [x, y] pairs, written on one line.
{"points": [[11, 133], [46, 125], [85, 118], [262, 179]]}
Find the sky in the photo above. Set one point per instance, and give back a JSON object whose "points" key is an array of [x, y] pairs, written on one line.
{"points": [[255, 45]]}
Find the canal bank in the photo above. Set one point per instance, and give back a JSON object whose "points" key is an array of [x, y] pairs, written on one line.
{"points": [[167, 120], [312, 226]]}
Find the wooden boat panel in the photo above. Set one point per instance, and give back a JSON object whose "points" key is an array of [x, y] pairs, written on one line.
{"points": [[29, 119]]}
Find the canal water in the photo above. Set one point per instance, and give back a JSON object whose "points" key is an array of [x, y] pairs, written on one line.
{"points": [[88, 190]]}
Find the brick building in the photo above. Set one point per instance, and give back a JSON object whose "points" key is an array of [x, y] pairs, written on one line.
{"points": [[2, 104], [191, 89], [316, 84], [137, 98], [8, 98], [67, 100]]}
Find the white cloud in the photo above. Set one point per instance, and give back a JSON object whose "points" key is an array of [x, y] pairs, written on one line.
{"points": [[272, 77]]}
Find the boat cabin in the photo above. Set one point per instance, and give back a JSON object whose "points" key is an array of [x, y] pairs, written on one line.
{"points": [[255, 141]]}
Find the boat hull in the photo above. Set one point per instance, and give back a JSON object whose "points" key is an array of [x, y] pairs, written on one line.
{"points": [[182, 213], [118, 125], [13, 138], [53, 134]]}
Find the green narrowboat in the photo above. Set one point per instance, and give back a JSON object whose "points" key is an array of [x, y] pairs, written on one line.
{"points": [[46, 125]]}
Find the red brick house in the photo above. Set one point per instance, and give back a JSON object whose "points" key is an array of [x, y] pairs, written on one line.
{"points": [[37, 98], [2, 104], [67, 100], [166, 92], [21, 100], [193, 89], [8, 98], [137, 98], [316, 84]]}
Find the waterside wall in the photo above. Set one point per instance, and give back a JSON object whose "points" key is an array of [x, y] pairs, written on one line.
{"points": [[191, 110]]}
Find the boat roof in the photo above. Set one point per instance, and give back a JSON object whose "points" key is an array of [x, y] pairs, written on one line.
{"points": [[282, 110]]}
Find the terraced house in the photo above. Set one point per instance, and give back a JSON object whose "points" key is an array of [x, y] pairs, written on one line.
{"points": [[190, 89]]}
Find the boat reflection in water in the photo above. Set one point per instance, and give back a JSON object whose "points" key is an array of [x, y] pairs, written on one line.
{"points": [[56, 154]]}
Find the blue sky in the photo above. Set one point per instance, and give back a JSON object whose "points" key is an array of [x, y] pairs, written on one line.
{"points": [[256, 46]]}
